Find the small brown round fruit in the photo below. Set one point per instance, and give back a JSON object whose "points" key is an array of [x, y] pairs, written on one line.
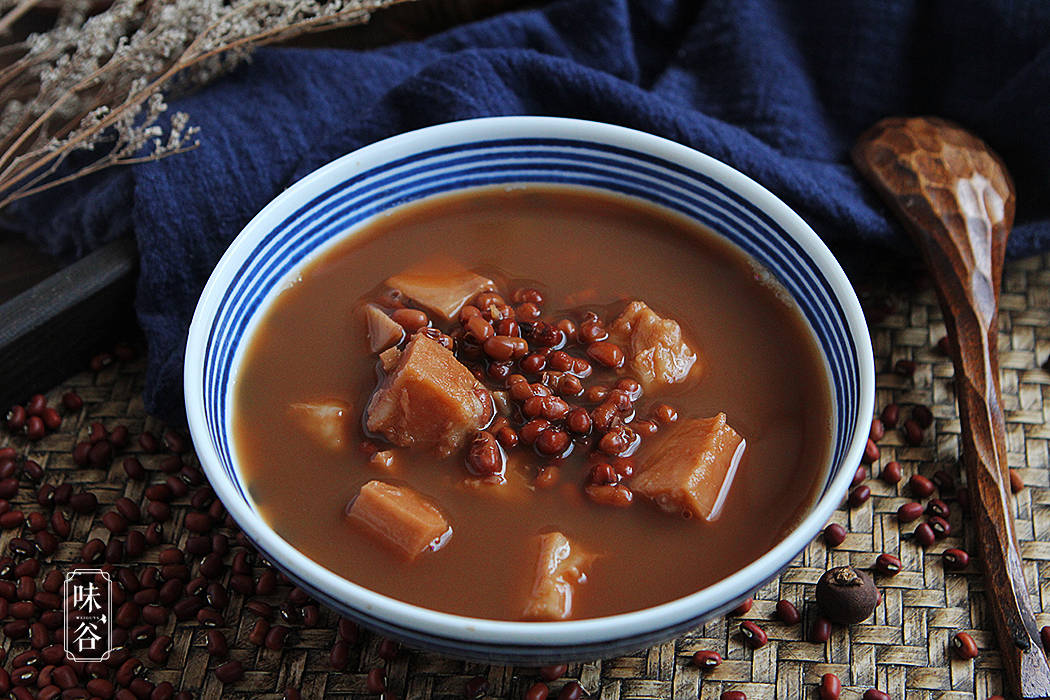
{"points": [[846, 595]]}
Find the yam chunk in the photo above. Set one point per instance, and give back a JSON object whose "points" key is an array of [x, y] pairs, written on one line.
{"points": [[560, 567], [429, 400], [654, 346], [441, 285], [400, 518], [328, 422], [389, 359], [692, 469], [383, 331]]}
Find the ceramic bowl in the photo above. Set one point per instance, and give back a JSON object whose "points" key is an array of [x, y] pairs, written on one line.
{"points": [[334, 203]]}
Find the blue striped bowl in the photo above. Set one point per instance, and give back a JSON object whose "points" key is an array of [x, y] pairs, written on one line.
{"points": [[337, 200]]}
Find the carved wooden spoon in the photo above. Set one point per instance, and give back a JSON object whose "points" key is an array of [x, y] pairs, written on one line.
{"points": [[956, 199]]}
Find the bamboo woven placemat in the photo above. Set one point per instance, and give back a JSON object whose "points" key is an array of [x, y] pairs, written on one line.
{"points": [[903, 649]]}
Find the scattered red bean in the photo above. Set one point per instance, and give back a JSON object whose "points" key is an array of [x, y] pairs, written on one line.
{"points": [[909, 512], [375, 681], [955, 559], [964, 646], [834, 535], [888, 565], [875, 694], [820, 631], [924, 535], [571, 691], [787, 612], [912, 433], [537, 691], [920, 486], [733, 695], [830, 687], [891, 473], [744, 608], [890, 415], [705, 660], [859, 476], [754, 635], [871, 452], [230, 672], [859, 496]]}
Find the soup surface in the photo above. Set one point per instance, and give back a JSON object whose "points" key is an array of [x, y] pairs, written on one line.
{"points": [[577, 259]]}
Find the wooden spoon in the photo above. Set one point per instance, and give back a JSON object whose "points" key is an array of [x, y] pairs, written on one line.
{"points": [[956, 199]]}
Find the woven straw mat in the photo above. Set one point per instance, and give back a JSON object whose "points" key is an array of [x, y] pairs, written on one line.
{"points": [[903, 649]]}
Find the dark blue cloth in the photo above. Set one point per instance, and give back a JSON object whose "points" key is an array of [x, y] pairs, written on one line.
{"points": [[778, 89]]}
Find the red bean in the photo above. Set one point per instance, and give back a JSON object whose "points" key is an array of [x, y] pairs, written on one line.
{"points": [[859, 476], [890, 415], [375, 681], [787, 612], [553, 442], [888, 565], [834, 535], [964, 646], [1044, 635], [528, 311], [230, 672], [339, 656], [16, 418], [606, 353], [71, 401], [859, 496], [940, 527], [921, 486], [923, 416], [537, 691], [871, 452], [505, 347], [830, 687], [754, 635], [891, 473], [52, 419], [909, 512], [912, 433], [571, 691], [924, 535], [733, 695], [820, 631], [955, 559], [35, 428]]}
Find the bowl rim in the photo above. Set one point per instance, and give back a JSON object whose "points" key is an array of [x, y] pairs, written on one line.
{"points": [[718, 595]]}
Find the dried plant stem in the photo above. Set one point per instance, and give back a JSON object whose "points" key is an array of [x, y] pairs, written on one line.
{"points": [[67, 95]]}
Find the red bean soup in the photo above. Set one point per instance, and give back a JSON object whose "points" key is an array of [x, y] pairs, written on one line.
{"points": [[533, 403]]}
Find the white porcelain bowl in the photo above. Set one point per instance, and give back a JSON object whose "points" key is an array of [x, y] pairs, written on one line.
{"points": [[334, 202]]}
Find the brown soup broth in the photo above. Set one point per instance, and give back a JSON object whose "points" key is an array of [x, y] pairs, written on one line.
{"points": [[761, 366]]}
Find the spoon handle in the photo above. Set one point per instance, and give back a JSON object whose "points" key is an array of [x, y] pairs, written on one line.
{"points": [[956, 199]]}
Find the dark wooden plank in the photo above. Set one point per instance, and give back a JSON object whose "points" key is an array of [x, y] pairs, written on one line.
{"points": [[52, 329], [22, 266]]}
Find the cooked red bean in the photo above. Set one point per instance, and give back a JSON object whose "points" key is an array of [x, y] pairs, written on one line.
{"points": [[787, 612], [834, 535], [411, 320], [606, 353], [955, 559], [964, 646], [888, 565], [553, 442], [485, 457], [505, 347]]}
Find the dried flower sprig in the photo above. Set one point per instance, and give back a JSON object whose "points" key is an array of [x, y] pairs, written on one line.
{"points": [[99, 82]]}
